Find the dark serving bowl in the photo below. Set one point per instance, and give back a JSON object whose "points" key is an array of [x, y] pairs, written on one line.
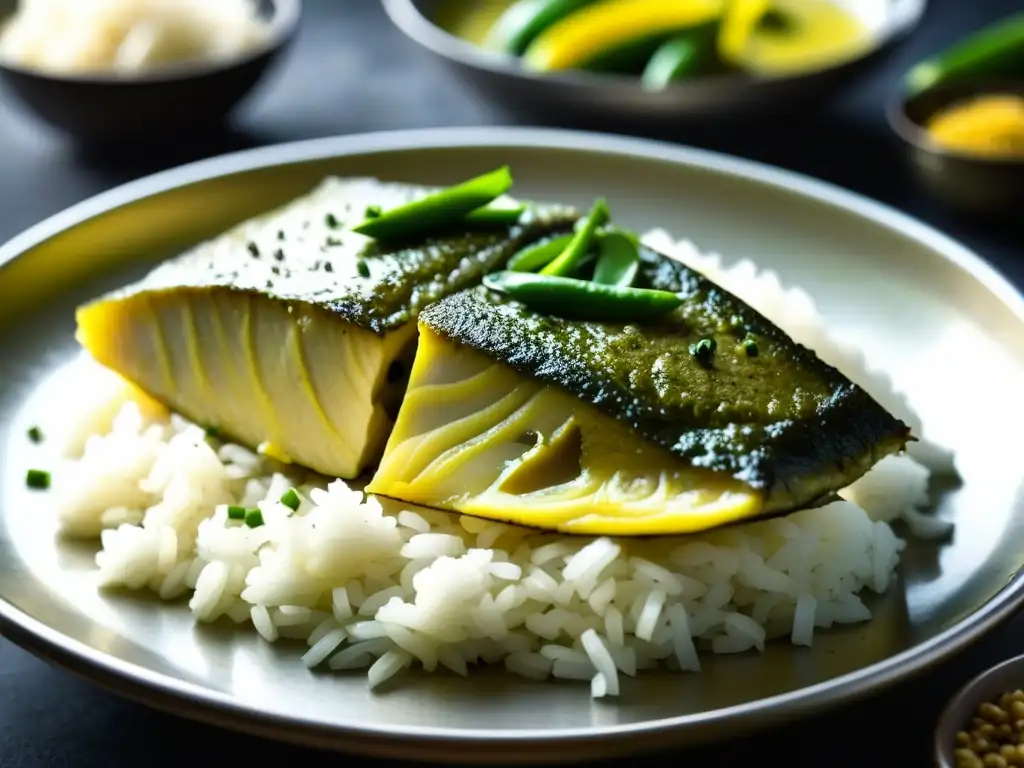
{"points": [[109, 108], [987, 686], [569, 96], [971, 183]]}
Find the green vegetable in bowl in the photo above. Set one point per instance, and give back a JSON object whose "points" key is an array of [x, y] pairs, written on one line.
{"points": [[524, 20], [994, 51]]}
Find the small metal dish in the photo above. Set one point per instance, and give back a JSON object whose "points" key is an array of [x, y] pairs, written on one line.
{"points": [[100, 109], [576, 98], [988, 686], [971, 183]]}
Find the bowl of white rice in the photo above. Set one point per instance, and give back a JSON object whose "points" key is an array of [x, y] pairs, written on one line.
{"points": [[107, 71]]}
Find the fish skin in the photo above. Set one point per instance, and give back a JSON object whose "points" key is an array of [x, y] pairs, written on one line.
{"points": [[304, 252]]}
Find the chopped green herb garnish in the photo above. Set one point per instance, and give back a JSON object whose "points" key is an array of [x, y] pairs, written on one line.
{"points": [[363, 268], [35, 434], [703, 350], [212, 431], [38, 479], [291, 499], [253, 518], [372, 211], [750, 347], [253, 249], [236, 512], [332, 220], [280, 234], [279, 255]]}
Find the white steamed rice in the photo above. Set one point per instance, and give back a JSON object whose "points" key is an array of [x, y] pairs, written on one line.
{"points": [[383, 589]]}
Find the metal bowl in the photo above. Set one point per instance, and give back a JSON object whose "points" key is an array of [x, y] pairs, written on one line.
{"points": [[575, 96], [971, 183], [988, 686], [109, 108]]}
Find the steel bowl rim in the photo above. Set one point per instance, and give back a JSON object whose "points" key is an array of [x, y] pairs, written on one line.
{"points": [[405, 15], [156, 687], [947, 726], [284, 25]]}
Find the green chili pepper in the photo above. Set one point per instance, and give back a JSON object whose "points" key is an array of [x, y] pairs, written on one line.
{"points": [[496, 215], [994, 51], [533, 257], [439, 210], [691, 53], [617, 261], [577, 249], [235, 512], [671, 62], [581, 299]]}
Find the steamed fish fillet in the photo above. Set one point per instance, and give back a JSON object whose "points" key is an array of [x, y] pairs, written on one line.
{"points": [[290, 333], [608, 429]]}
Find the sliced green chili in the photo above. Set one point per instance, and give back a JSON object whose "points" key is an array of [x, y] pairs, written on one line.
{"points": [[253, 518], [439, 210], [617, 261], [569, 259], [496, 215], [994, 52], [236, 512], [535, 256], [39, 479], [581, 299], [291, 499]]}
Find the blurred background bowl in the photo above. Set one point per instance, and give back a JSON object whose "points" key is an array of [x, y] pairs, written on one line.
{"points": [[988, 686], [102, 109], [974, 184], [572, 97]]}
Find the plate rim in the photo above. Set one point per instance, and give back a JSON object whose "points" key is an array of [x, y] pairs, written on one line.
{"points": [[147, 685]]}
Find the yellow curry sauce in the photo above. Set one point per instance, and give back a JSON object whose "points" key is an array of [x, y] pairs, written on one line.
{"points": [[991, 125]]}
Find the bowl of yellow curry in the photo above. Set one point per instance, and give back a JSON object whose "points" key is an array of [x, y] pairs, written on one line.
{"points": [[961, 113], [652, 60]]}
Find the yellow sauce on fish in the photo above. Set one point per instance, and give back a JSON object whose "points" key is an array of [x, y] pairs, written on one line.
{"points": [[988, 126]]}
